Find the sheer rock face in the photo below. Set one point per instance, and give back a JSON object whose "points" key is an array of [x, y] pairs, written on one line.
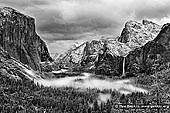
{"points": [[153, 56], [105, 56], [13, 68], [138, 34], [19, 38]]}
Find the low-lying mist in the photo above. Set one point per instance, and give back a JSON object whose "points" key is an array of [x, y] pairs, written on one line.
{"points": [[87, 81]]}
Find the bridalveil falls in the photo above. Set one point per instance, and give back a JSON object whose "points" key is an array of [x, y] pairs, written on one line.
{"points": [[123, 72]]}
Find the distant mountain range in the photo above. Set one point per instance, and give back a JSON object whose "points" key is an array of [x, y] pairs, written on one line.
{"points": [[139, 48]]}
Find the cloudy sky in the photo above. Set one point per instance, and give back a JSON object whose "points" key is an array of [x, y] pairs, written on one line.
{"points": [[61, 23]]}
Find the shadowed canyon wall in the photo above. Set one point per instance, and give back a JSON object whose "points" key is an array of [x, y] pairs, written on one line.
{"points": [[19, 38]]}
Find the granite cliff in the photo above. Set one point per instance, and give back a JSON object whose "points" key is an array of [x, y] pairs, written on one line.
{"points": [[14, 69], [19, 38], [153, 56]]}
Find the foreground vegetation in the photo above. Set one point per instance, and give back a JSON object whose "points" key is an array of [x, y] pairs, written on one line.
{"points": [[26, 97]]}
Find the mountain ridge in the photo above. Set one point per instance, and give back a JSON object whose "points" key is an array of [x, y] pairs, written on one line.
{"points": [[114, 48]]}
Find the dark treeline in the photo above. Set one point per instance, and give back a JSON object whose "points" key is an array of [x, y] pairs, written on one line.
{"points": [[26, 97]]}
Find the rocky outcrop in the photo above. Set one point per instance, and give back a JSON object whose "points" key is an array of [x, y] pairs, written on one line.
{"points": [[106, 56], [137, 34], [14, 69], [19, 38]]}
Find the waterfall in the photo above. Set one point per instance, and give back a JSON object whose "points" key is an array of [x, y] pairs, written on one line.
{"points": [[123, 73]]}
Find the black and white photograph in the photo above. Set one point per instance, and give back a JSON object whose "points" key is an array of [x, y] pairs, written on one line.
{"points": [[84, 56]]}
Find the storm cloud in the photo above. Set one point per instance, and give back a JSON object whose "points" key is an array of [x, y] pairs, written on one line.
{"points": [[60, 21]]}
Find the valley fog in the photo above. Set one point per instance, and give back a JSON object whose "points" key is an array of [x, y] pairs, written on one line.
{"points": [[87, 81]]}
